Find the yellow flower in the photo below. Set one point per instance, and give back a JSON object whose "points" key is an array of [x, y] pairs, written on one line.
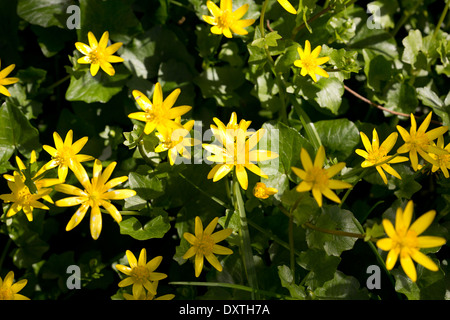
{"points": [[9, 291], [21, 196], [287, 6], [204, 244], [420, 141], [141, 273], [443, 160], [318, 179], [4, 81], [99, 54], [404, 241], [377, 155], [235, 151], [175, 142], [262, 192], [309, 61], [225, 21], [148, 295], [97, 192], [64, 154], [160, 114]]}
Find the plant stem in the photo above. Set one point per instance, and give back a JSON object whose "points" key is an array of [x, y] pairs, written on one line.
{"points": [[5, 251], [57, 83], [246, 247], [231, 286], [377, 255], [404, 18], [261, 18], [271, 236], [334, 232], [215, 199], [441, 19]]}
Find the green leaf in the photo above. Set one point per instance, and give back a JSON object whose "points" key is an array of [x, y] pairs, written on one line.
{"points": [[155, 228], [321, 265], [147, 188], [333, 218], [115, 16], [45, 13], [342, 287], [287, 281], [378, 69], [344, 60], [16, 132], [325, 93], [221, 84], [269, 40], [100, 88], [287, 142], [339, 137], [146, 52], [413, 44], [401, 97]]}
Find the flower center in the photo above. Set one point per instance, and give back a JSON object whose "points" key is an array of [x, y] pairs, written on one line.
{"points": [[420, 141], [225, 20], [205, 245], [377, 156], [140, 273], [6, 293], [62, 157], [318, 177], [309, 64], [406, 240], [95, 56], [260, 192], [23, 195]]}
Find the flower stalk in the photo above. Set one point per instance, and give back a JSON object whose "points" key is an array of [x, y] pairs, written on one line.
{"points": [[245, 243]]}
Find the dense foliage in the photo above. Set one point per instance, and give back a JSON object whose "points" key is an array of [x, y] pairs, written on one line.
{"points": [[333, 186]]}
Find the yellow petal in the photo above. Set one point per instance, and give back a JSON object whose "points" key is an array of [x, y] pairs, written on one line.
{"points": [[132, 261], [287, 6], [423, 222], [306, 160], [430, 241], [95, 222], [242, 177], [424, 260], [385, 244], [408, 267]]}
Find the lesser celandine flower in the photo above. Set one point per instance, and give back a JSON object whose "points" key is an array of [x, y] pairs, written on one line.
{"points": [[9, 291], [21, 196], [287, 6], [97, 193], [141, 274], [443, 160], [318, 179], [225, 21], [309, 62], [159, 114], [4, 81], [147, 295], [64, 154], [377, 155], [404, 241], [204, 244], [99, 54], [262, 192], [175, 141], [236, 151], [420, 141]]}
